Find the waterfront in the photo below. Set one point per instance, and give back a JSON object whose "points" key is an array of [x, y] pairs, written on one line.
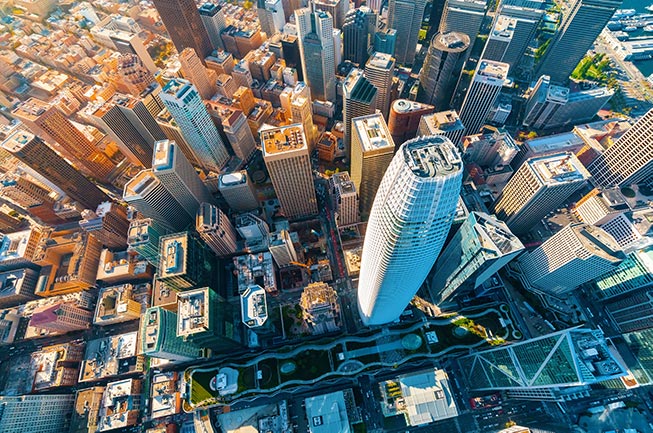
{"points": [[646, 67]]}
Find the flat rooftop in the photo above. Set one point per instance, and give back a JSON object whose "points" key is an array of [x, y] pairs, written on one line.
{"points": [[443, 121], [233, 179], [492, 69], [564, 141], [504, 27], [17, 140], [31, 109], [406, 106], [432, 156], [427, 397], [558, 168], [253, 307], [141, 184], [255, 269], [163, 155], [177, 88], [373, 132], [452, 42], [174, 253], [381, 60], [599, 242], [327, 413], [343, 182], [193, 311], [284, 139]]}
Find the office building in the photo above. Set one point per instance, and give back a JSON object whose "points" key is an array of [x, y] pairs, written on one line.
{"points": [[9, 224], [143, 239], [43, 118], [315, 36], [385, 41], [405, 16], [320, 308], [282, 249], [153, 200], [61, 317], [358, 34], [379, 70], [185, 25], [238, 191], [575, 255], [121, 405], [444, 61], [17, 250], [539, 186], [200, 76], [635, 273], [627, 161], [133, 74], [186, 106], [405, 118], [220, 61], [213, 19], [633, 312], [257, 269], [582, 22], [43, 413], [17, 287], [216, 230], [479, 249], [526, 23], [123, 34], [565, 358], [345, 198], [178, 177], [445, 123], [495, 147], [254, 310], [287, 159], [159, 337], [372, 150], [108, 224], [206, 320], [186, 261], [337, 8], [544, 99], [118, 304], [33, 152], [271, 15], [359, 100], [578, 107], [463, 16], [87, 407], [483, 91], [406, 232]]}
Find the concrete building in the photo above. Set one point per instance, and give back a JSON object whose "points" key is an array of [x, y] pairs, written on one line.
{"points": [[133, 74], [184, 25], [256, 269], [538, 187], [185, 261], [315, 37], [405, 16], [254, 309], [282, 248], [379, 70], [336, 8], [492, 148], [345, 198], [238, 191], [479, 249], [575, 255], [359, 97], [43, 413], [579, 107], [213, 19], [61, 317], [123, 34], [253, 230], [406, 232], [87, 407], [121, 404], [271, 15], [463, 16], [185, 104], [216, 230], [581, 24], [405, 118], [328, 413], [121, 267], [143, 239], [108, 224], [117, 304], [483, 91], [286, 156], [442, 66], [543, 100], [159, 337], [371, 153], [320, 308], [446, 123], [527, 19], [194, 71], [17, 250], [17, 287], [358, 34]]}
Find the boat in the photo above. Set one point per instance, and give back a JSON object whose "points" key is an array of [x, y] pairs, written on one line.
{"points": [[649, 8], [649, 28], [629, 29], [622, 13]]}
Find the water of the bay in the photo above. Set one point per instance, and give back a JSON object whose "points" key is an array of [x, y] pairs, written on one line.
{"points": [[646, 67]]}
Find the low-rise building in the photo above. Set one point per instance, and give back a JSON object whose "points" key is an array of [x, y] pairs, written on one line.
{"points": [[121, 303], [56, 366], [112, 356], [320, 308], [121, 267], [165, 398], [121, 405], [256, 269], [87, 408]]}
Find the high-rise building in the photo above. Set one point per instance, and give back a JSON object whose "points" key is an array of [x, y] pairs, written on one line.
{"points": [[194, 71], [633, 312], [186, 261], [542, 102], [61, 317], [286, 157], [499, 39], [214, 21], [359, 100], [239, 134], [17, 287], [371, 153], [337, 8], [216, 230], [379, 70], [184, 24], [492, 148], [143, 239], [152, 199], [560, 359], [405, 118], [526, 22], [271, 15], [254, 310], [108, 224], [135, 76], [9, 224], [406, 232], [282, 248], [222, 62], [320, 308], [186, 106], [575, 255], [629, 160], [385, 40], [315, 36], [43, 118], [43, 413], [463, 16], [445, 123], [358, 34], [538, 187], [481, 246], [178, 177], [633, 274], [442, 66], [159, 337], [33, 152], [483, 91], [345, 197], [238, 191], [582, 22], [405, 16]]}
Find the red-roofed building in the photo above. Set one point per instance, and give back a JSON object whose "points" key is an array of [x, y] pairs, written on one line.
{"points": [[61, 317]]}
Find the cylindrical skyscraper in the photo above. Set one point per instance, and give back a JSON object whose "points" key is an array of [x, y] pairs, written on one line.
{"points": [[442, 66], [411, 216]]}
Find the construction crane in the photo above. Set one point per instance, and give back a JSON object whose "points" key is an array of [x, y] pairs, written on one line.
{"points": [[308, 269]]}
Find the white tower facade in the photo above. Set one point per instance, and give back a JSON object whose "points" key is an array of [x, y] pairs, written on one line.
{"points": [[411, 216], [483, 92]]}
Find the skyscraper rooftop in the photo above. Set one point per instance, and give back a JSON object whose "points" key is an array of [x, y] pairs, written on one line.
{"points": [[283, 139], [427, 160], [373, 132], [253, 305], [492, 69], [558, 168]]}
